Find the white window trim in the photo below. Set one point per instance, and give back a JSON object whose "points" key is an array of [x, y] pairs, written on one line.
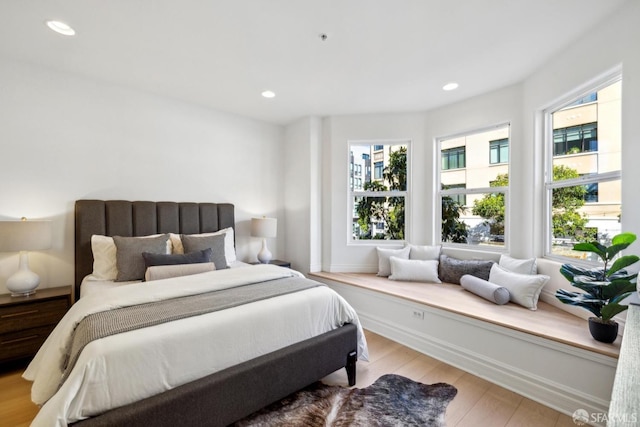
{"points": [[439, 193], [595, 84], [406, 194]]}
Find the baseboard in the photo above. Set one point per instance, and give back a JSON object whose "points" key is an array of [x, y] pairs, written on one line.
{"points": [[545, 371]]}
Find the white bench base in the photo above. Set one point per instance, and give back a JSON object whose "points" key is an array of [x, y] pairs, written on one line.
{"points": [[561, 376]]}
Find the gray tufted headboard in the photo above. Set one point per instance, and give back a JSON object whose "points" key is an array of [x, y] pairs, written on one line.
{"points": [[125, 218]]}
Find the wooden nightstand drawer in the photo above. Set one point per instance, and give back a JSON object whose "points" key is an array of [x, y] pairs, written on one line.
{"points": [[26, 322], [23, 343], [30, 315]]}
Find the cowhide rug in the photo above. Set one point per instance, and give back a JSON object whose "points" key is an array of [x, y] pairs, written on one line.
{"points": [[392, 400]]}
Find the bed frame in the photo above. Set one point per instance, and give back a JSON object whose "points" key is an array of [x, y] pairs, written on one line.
{"points": [[229, 395]]}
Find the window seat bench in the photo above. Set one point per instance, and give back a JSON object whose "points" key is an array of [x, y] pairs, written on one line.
{"points": [[547, 355]]}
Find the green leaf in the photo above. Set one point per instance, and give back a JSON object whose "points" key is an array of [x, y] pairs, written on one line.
{"points": [[570, 271], [611, 310], [594, 247], [580, 300], [623, 238], [617, 287], [622, 262], [620, 242]]}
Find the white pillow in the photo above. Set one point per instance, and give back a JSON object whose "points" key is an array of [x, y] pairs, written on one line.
{"points": [[159, 272], [522, 266], [104, 256], [424, 252], [384, 267], [229, 243], [524, 289], [414, 270]]}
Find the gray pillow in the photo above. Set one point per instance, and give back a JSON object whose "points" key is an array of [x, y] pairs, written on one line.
{"points": [[487, 290], [216, 243], [198, 257], [450, 269], [129, 260]]}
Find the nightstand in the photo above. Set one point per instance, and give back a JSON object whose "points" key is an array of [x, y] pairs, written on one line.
{"points": [[277, 262], [25, 322]]}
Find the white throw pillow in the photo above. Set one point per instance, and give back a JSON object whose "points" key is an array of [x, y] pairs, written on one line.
{"points": [[524, 289], [515, 265], [384, 266], [104, 256], [229, 243], [159, 272], [414, 270], [424, 252]]}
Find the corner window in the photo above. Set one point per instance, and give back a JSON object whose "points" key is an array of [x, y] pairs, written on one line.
{"points": [[377, 206], [583, 169], [473, 192]]}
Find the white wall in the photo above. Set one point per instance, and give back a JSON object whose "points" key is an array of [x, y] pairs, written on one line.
{"points": [[64, 137], [302, 192], [610, 43]]}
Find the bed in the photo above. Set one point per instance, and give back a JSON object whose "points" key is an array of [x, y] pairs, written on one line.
{"points": [[271, 367]]}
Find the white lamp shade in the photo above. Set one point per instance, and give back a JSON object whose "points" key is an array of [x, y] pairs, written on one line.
{"points": [[264, 227], [18, 236]]}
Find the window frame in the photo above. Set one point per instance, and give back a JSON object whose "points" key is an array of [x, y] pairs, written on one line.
{"points": [[457, 192], [352, 194], [571, 99]]}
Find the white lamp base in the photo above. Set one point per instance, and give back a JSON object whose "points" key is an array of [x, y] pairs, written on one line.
{"points": [[264, 256], [24, 282]]}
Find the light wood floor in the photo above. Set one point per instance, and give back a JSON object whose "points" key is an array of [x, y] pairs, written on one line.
{"points": [[477, 404]]}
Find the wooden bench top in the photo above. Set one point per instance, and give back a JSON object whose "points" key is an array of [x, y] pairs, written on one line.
{"points": [[547, 321]]}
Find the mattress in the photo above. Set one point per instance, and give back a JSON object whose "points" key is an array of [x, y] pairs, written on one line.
{"points": [[125, 368]]}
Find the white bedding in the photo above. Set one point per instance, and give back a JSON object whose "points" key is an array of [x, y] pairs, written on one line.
{"points": [[116, 370]]}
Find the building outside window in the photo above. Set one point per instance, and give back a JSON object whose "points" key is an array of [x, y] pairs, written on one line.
{"points": [[377, 203], [474, 189], [583, 164]]}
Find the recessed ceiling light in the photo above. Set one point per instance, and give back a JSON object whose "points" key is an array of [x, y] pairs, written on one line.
{"points": [[268, 94], [61, 28], [450, 86]]}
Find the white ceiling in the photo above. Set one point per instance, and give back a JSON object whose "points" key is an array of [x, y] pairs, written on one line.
{"points": [[380, 55]]}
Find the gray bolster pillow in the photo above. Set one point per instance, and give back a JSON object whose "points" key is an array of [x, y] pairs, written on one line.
{"points": [[487, 290]]}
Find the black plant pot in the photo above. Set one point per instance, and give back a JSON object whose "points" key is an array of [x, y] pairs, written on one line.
{"points": [[603, 332]]}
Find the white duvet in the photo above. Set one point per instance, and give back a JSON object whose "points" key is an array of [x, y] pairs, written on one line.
{"points": [[131, 366]]}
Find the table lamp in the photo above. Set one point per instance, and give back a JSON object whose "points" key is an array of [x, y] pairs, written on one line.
{"points": [[22, 236], [264, 227]]}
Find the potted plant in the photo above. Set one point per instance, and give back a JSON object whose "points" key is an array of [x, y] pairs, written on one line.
{"points": [[604, 287]]}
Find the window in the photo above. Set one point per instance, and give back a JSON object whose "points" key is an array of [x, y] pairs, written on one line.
{"points": [[499, 151], [453, 158], [473, 195], [583, 193], [377, 204], [378, 167], [575, 139], [460, 199]]}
